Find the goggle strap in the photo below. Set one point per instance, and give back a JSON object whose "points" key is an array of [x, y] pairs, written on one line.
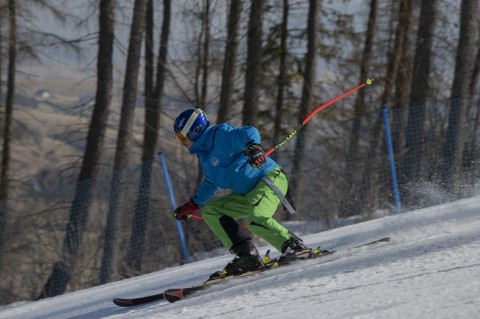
{"points": [[190, 121]]}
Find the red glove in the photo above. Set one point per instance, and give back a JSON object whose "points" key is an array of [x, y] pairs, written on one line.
{"points": [[256, 156], [186, 210]]}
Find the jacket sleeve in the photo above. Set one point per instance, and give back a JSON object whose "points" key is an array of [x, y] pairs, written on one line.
{"points": [[206, 191], [241, 138]]}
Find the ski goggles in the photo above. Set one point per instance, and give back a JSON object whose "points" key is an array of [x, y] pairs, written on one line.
{"points": [[181, 139]]}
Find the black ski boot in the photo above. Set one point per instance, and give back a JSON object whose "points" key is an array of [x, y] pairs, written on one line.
{"points": [[294, 249], [247, 259]]}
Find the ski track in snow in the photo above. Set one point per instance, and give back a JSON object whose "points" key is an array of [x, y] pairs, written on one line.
{"points": [[429, 269]]}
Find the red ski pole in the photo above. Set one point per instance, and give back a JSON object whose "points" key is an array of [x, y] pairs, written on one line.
{"points": [[318, 109]]}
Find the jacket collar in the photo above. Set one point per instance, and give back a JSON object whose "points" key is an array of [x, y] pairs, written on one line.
{"points": [[204, 144]]}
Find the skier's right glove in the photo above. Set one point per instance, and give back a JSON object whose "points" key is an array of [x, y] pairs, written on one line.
{"points": [[185, 211], [256, 156]]}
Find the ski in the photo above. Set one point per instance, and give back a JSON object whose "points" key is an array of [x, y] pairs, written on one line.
{"points": [[130, 302], [172, 295], [175, 294]]}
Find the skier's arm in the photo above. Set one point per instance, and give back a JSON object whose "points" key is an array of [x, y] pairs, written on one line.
{"points": [[206, 191], [243, 137]]}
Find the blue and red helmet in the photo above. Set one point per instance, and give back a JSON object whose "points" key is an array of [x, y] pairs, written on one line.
{"points": [[190, 125]]}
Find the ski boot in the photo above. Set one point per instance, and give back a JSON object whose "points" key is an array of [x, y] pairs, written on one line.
{"points": [[247, 259], [294, 249]]}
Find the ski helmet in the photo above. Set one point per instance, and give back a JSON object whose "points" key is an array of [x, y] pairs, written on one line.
{"points": [[190, 125]]}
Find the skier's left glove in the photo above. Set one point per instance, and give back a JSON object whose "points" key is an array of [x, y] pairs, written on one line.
{"points": [[256, 156], [186, 210]]}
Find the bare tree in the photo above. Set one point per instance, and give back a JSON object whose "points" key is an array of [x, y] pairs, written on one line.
{"points": [[472, 150], [153, 98], [7, 135], [399, 62], [2, 19], [399, 57], [463, 70], [309, 77], [254, 55], [403, 76], [110, 256], [356, 188], [281, 79], [419, 93], [202, 67], [228, 74], [60, 275]]}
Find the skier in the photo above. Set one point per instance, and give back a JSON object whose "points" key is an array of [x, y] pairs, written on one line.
{"points": [[231, 158]]}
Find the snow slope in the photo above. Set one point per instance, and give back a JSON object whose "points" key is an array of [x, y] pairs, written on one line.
{"points": [[430, 269]]}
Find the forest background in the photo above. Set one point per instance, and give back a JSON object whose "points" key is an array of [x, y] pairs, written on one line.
{"points": [[89, 91]]}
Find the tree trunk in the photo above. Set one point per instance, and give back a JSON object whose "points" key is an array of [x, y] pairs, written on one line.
{"points": [[7, 130], [110, 253], [354, 176], [472, 152], [152, 126], [228, 73], [419, 93], [202, 68], [281, 81], [396, 61], [453, 150], [206, 54], [309, 77], [403, 78], [203, 47], [253, 68], [60, 275]]}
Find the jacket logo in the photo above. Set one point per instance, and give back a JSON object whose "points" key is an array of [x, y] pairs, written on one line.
{"points": [[214, 161]]}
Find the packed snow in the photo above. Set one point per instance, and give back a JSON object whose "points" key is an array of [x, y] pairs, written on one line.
{"points": [[429, 269]]}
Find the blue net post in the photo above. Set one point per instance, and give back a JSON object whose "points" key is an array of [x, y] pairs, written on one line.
{"points": [[174, 206], [391, 160]]}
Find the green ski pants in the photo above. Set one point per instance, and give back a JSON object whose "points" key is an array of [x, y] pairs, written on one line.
{"points": [[258, 206]]}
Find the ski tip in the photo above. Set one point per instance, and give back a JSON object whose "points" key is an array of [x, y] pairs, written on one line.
{"points": [[123, 302]]}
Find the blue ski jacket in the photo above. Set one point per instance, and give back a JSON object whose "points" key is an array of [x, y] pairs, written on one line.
{"points": [[220, 150]]}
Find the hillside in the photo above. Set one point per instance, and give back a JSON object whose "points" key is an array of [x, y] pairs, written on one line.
{"points": [[430, 269]]}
